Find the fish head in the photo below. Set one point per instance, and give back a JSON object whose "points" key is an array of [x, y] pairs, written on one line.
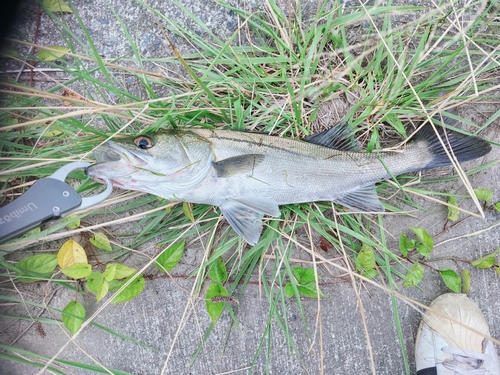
{"points": [[164, 164]]}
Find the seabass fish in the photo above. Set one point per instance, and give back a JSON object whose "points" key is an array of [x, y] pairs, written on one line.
{"points": [[248, 175]]}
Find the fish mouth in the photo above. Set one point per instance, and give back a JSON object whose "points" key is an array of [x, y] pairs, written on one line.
{"points": [[103, 155], [115, 162], [113, 152]]}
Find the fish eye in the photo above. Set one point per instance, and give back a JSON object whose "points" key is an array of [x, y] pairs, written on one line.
{"points": [[143, 142]]}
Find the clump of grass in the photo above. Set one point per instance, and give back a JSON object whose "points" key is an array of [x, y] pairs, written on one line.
{"points": [[276, 73]]}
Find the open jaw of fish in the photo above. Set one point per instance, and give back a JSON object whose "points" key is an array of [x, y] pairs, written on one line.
{"points": [[248, 175]]}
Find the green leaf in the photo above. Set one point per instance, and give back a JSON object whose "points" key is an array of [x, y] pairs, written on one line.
{"points": [[453, 211], [218, 271], [423, 237], [215, 309], [423, 250], [304, 275], [77, 270], [487, 261], [405, 245], [73, 315], [54, 53], [133, 290], [466, 280], [100, 240], [414, 275], [370, 274], [484, 262], [93, 281], [8, 52], [451, 279], [102, 290], [122, 271], [38, 266], [96, 284], [289, 290], [484, 195], [497, 206], [115, 271], [73, 221], [187, 208], [306, 280], [57, 6], [109, 273], [32, 232], [309, 290], [114, 284], [365, 259], [171, 256]]}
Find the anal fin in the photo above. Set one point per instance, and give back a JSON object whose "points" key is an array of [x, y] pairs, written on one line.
{"points": [[364, 199]]}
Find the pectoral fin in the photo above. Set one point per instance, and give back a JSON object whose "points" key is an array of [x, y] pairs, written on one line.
{"points": [[364, 199], [237, 164], [245, 216]]}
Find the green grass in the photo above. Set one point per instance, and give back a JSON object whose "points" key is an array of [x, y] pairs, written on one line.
{"points": [[392, 73]]}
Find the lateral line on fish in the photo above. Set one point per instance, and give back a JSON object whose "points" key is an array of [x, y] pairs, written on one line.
{"points": [[271, 147]]}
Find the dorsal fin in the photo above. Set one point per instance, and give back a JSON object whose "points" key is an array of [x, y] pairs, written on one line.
{"points": [[340, 137]]}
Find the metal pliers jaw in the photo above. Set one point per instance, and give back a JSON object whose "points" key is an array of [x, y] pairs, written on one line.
{"points": [[62, 173], [48, 198]]}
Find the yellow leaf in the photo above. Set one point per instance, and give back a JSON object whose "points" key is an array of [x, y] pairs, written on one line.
{"points": [[73, 221], [52, 133], [187, 208], [57, 6], [71, 253], [53, 53]]}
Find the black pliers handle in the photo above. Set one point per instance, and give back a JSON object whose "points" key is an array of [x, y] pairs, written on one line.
{"points": [[48, 198]]}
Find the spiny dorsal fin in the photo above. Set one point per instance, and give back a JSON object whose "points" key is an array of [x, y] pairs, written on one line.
{"points": [[237, 164], [340, 137]]}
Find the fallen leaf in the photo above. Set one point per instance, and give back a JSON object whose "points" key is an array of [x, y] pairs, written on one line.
{"points": [[53, 53], [325, 244], [71, 253], [57, 6], [70, 95]]}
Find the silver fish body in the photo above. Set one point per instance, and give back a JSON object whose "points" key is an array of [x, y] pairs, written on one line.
{"points": [[249, 175]]}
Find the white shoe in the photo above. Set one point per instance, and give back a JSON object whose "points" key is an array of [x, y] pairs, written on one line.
{"points": [[444, 347]]}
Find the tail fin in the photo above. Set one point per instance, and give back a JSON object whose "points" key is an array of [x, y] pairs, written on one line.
{"points": [[464, 147]]}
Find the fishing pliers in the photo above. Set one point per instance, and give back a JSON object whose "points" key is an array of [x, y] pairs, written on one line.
{"points": [[48, 198]]}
